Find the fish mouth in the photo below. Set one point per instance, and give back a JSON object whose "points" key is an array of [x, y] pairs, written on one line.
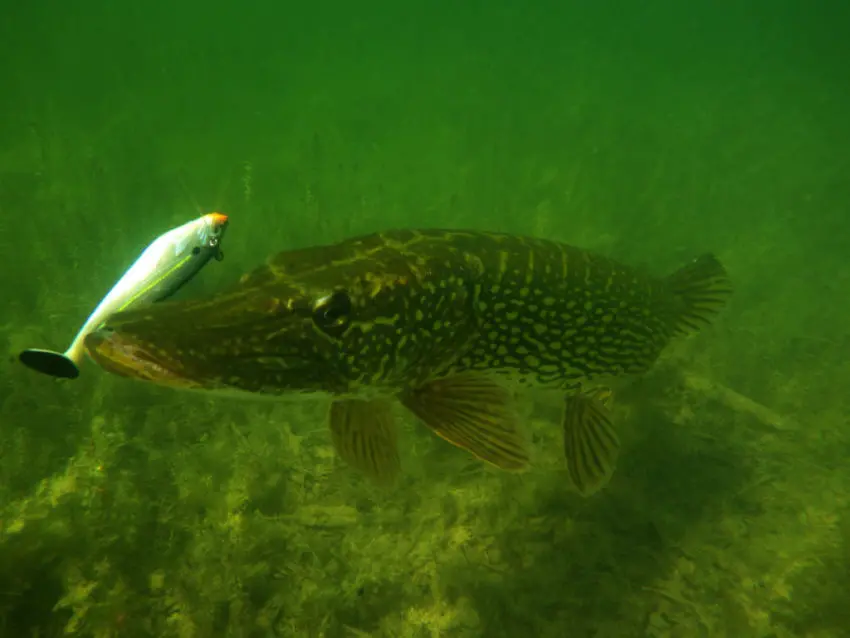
{"points": [[127, 356]]}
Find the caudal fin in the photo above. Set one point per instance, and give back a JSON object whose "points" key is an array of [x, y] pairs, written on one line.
{"points": [[703, 286], [55, 364]]}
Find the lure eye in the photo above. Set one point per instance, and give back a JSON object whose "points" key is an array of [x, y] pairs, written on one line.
{"points": [[332, 314]]}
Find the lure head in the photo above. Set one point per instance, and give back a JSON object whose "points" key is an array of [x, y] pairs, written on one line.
{"points": [[213, 226], [173, 259]]}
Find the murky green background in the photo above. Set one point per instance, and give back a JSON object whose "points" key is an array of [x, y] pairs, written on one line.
{"points": [[651, 131]]}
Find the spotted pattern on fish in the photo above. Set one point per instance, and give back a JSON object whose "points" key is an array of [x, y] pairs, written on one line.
{"points": [[374, 315]]}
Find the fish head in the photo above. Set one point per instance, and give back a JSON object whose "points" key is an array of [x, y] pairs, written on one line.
{"points": [[343, 319]]}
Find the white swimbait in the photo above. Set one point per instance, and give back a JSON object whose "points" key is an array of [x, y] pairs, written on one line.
{"points": [[165, 265]]}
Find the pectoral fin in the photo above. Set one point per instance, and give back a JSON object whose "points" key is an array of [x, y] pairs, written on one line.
{"points": [[590, 443], [473, 413], [364, 435]]}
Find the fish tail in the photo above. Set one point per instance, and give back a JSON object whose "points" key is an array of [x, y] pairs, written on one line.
{"points": [[702, 288]]}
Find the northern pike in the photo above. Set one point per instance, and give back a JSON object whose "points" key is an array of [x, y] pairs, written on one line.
{"points": [[447, 322], [164, 266]]}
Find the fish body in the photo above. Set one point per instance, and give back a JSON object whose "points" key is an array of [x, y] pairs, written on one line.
{"points": [[170, 261], [556, 316], [447, 322]]}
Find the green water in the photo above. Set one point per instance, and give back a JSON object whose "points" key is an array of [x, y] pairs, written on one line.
{"points": [[649, 131]]}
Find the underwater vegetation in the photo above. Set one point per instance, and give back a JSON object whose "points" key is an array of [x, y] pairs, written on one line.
{"points": [[193, 517], [128, 510]]}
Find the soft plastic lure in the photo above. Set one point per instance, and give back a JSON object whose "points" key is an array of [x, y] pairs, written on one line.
{"points": [[164, 266]]}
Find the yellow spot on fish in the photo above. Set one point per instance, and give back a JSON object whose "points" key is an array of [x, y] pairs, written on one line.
{"points": [[532, 361], [503, 262]]}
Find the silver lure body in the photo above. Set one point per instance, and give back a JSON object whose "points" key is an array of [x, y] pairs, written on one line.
{"points": [[164, 266]]}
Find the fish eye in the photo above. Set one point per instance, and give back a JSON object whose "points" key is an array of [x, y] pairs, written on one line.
{"points": [[332, 314]]}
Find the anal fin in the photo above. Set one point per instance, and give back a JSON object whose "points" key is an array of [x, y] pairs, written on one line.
{"points": [[591, 445], [473, 413], [364, 436]]}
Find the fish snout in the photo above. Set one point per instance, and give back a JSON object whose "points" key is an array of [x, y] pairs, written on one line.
{"points": [[125, 355], [110, 351]]}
